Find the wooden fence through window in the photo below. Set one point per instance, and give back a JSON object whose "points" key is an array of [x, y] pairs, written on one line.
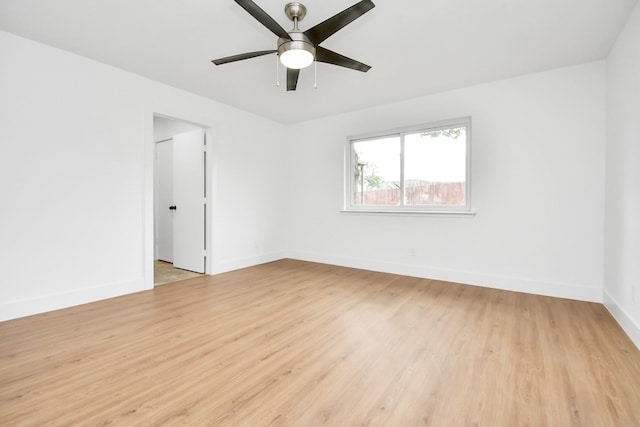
{"points": [[424, 193]]}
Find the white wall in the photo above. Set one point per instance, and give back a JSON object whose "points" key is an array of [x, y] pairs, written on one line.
{"points": [[622, 215], [76, 179], [537, 187]]}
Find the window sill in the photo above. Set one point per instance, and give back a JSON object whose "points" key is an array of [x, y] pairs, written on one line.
{"points": [[441, 214]]}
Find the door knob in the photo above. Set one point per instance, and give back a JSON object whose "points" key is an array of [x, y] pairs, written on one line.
{"points": [[173, 208]]}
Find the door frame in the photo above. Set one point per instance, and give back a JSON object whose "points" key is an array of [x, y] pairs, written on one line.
{"points": [[149, 198]]}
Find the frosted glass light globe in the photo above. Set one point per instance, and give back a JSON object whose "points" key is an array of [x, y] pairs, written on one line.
{"points": [[296, 58]]}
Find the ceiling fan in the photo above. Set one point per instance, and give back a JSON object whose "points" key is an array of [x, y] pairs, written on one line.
{"points": [[298, 49]]}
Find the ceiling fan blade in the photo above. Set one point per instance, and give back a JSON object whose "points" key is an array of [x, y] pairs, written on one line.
{"points": [[325, 29], [241, 56], [331, 57], [292, 78], [263, 17]]}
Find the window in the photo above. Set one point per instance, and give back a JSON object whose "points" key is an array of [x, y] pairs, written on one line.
{"points": [[419, 169]]}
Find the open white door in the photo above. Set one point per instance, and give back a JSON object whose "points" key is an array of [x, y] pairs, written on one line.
{"points": [[164, 199], [189, 201]]}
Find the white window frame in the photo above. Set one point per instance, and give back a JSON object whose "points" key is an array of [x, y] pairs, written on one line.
{"points": [[350, 207]]}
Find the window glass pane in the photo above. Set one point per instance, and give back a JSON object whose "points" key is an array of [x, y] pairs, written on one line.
{"points": [[376, 172], [435, 167]]}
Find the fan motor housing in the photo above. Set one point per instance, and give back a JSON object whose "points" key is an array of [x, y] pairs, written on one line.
{"points": [[298, 42]]}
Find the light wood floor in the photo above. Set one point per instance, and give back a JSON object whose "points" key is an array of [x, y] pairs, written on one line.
{"points": [[292, 343]]}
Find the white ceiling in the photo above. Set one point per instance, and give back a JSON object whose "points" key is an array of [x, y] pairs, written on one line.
{"points": [[415, 48]]}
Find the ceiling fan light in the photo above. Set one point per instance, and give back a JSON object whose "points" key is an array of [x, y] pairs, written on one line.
{"points": [[296, 58], [296, 54]]}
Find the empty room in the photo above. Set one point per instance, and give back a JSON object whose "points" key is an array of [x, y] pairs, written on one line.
{"points": [[336, 213]]}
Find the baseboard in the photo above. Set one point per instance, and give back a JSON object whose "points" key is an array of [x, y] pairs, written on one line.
{"points": [[626, 322], [509, 283], [237, 264], [55, 301]]}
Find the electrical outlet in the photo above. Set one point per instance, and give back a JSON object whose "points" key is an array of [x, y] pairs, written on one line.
{"points": [[255, 244], [412, 251]]}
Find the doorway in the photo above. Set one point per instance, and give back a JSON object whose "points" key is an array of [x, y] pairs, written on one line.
{"points": [[179, 200]]}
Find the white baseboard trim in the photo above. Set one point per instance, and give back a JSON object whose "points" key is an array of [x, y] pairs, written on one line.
{"points": [[55, 301], [508, 283], [237, 264], [626, 322]]}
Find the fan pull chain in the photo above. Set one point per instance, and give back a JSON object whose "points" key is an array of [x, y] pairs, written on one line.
{"points": [[277, 72], [315, 73]]}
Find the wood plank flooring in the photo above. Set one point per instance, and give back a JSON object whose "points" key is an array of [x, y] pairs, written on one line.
{"points": [[292, 343]]}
